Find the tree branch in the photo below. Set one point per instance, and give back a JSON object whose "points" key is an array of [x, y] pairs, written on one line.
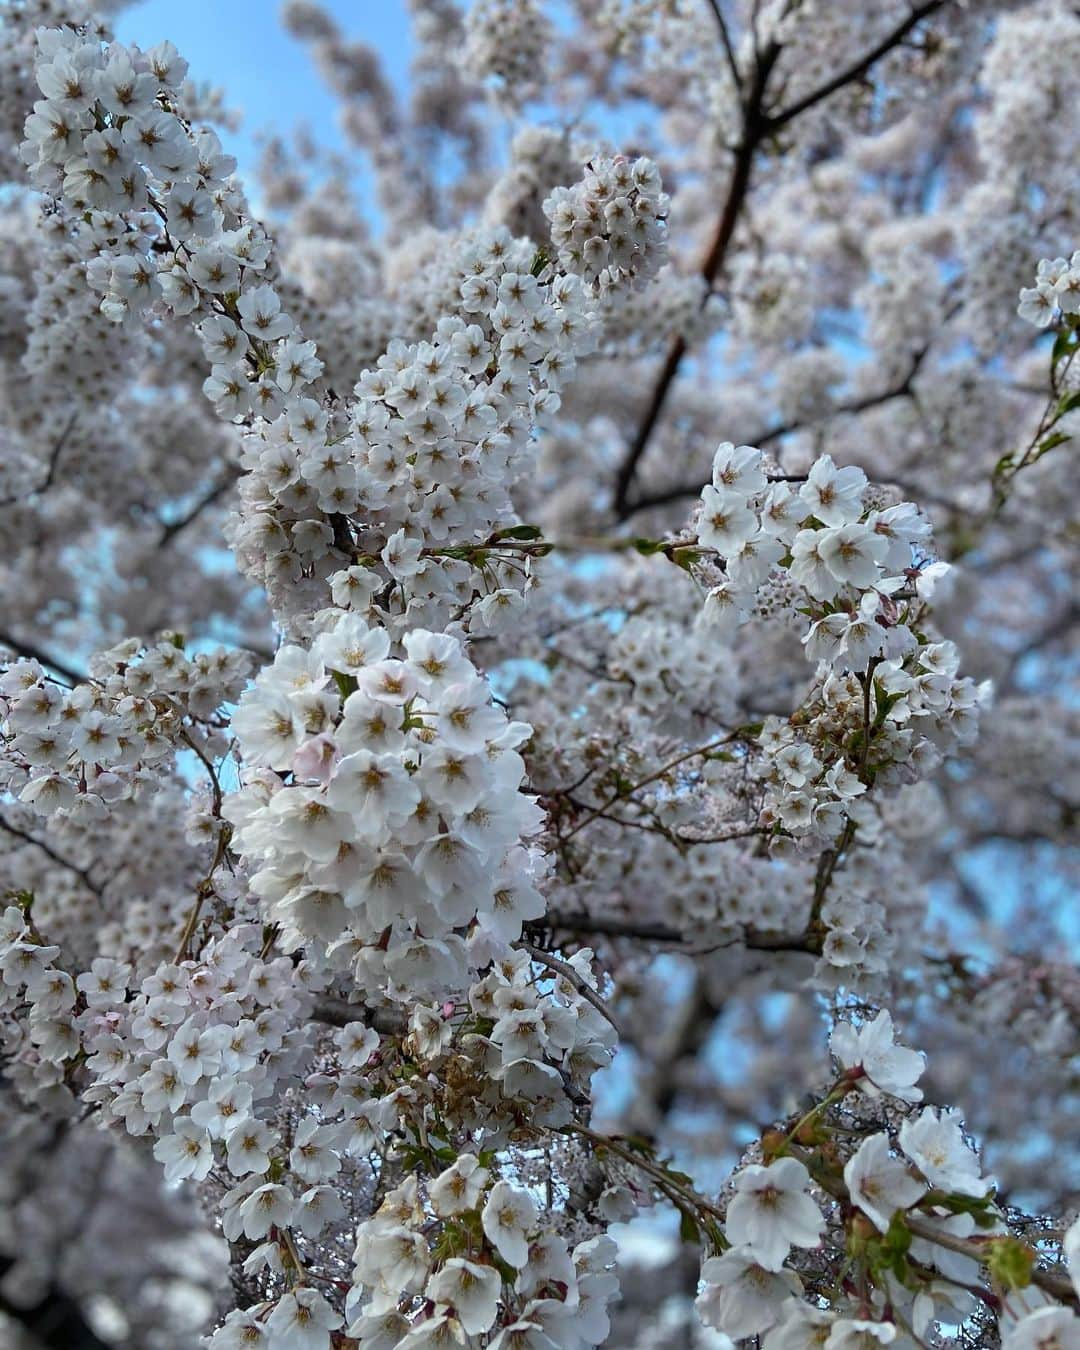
{"points": [[568, 973], [757, 125], [1059, 1286], [725, 37], [335, 1012], [55, 1321], [32, 653], [54, 459], [754, 128], [678, 491], [605, 926], [173, 528], [83, 875], [858, 68]]}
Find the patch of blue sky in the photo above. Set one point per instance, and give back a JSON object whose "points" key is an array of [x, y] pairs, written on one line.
{"points": [[1007, 877], [267, 76]]}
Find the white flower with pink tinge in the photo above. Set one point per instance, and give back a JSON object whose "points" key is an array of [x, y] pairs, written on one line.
{"points": [[771, 1212], [886, 1067]]}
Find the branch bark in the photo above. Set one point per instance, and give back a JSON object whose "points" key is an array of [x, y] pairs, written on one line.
{"points": [[81, 872], [858, 68], [33, 653], [604, 926], [55, 1321], [754, 128], [678, 491], [757, 125], [173, 528]]}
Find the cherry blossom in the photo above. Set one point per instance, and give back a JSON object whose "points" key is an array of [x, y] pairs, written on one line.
{"points": [[455, 803]]}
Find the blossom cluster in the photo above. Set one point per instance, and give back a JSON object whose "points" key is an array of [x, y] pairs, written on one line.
{"points": [[183, 1054], [506, 41], [436, 434], [382, 812], [527, 1054], [611, 227], [831, 544], [1056, 291], [75, 751], [885, 695], [909, 1200], [160, 208], [472, 1257], [894, 725]]}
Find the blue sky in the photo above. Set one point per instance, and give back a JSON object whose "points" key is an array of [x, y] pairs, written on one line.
{"points": [[267, 76]]}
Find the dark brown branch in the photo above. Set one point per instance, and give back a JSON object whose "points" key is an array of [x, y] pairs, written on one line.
{"points": [[335, 1012], [858, 68], [678, 491], [173, 528], [54, 459], [568, 973], [754, 128], [580, 922], [83, 875], [33, 653], [725, 37], [757, 125], [603, 926]]}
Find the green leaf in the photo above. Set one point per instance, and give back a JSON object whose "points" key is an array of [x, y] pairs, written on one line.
{"points": [[346, 683], [519, 532], [1044, 447], [648, 547], [688, 1227], [1063, 345], [685, 558], [897, 1238], [681, 1177]]}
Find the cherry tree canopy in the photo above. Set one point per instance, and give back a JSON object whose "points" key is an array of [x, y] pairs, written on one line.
{"points": [[538, 711]]}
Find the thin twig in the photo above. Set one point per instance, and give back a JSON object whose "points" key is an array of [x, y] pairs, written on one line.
{"points": [[643, 931], [1055, 1285], [569, 974], [753, 129], [31, 652], [81, 872], [725, 38], [757, 126], [651, 778], [852, 407], [663, 1179], [50, 474], [173, 528], [858, 68]]}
